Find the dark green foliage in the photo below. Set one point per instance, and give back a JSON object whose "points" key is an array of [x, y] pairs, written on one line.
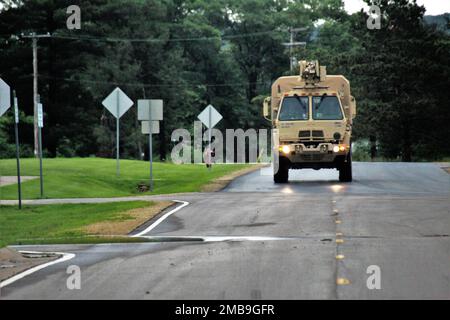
{"points": [[403, 74], [224, 52]]}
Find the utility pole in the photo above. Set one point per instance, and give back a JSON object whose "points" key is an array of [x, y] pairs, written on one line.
{"points": [[292, 44], [34, 37]]}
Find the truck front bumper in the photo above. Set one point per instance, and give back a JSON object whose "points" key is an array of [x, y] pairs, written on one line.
{"points": [[324, 155]]}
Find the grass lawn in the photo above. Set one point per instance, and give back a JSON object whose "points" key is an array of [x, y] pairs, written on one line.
{"points": [[96, 177], [64, 223]]}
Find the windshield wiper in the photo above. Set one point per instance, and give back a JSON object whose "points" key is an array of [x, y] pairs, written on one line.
{"points": [[300, 100], [321, 100]]}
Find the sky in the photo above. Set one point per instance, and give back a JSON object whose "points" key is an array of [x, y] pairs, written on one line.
{"points": [[433, 7]]}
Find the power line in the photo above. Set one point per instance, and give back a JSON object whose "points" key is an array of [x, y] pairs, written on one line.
{"points": [[8, 36], [155, 40], [149, 40], [147, 85]]}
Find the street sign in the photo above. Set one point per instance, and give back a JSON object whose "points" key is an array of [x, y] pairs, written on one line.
{"points": [[210, 117], [5, 97], [146, 127], [16, 110], [117, 103], [147, 106], [150, 112], [40, 116], [16, 131]]}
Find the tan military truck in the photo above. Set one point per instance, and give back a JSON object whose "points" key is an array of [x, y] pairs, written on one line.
{"points": [[312, 116]]}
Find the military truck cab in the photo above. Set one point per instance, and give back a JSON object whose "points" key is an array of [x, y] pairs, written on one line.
{"points": [[312, 116]]}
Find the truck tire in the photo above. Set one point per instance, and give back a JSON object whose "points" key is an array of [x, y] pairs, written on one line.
{"points": [[345, 171], [282, 176]]}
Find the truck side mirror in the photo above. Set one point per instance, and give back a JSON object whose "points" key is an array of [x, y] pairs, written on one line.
{"points": [[347, 110], [353, 106], [266, 109]]}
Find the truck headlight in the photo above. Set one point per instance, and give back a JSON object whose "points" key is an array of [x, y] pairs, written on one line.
{"points": [[285, 149], [340, 148]]}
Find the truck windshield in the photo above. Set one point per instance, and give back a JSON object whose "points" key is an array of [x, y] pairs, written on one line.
{"points": [[326, 108], [294, 108]]}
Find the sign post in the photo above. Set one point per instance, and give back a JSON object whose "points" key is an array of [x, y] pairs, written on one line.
{"points": [[117, 103], [210, 117], [5, 104], [16, 131], [150, 147], [150, 112], [40, 126], [117, 134]]}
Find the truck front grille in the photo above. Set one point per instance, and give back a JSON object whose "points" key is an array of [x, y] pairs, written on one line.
{"points": [[311, 135], [304, 134], [312, 157], [317, 133]]}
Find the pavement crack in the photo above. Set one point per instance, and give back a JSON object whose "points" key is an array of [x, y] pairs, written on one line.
{"points": [[436, 236]]}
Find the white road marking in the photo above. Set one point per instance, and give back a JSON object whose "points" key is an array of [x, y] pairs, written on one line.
{"points": [[157, 222], [65, 257], [69, 256], [217, 238]]}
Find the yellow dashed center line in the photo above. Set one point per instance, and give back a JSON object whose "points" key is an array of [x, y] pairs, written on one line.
{"points": [[342, 281], [339, 240]]}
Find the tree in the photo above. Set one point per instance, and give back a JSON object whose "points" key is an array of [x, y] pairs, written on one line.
{"points": [[401, 72], [226, 52]]}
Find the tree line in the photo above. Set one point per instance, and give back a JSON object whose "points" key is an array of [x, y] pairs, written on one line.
{"points": [[225, 52]]}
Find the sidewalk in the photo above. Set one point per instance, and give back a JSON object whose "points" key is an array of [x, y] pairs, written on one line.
{"points": [[212, 187], [159, 197]]}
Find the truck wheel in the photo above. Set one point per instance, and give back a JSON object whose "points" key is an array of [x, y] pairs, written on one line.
{"points": [[345, 172], [282, 176]]}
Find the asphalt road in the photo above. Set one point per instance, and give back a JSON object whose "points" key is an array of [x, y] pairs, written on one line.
{"points": [[257, 240]]}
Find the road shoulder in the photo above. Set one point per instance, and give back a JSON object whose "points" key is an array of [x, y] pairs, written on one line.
{"points": [[13, 262], [137, 218], [222, 182], [445, 166]]}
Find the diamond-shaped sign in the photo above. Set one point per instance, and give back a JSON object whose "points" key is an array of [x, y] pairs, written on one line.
{"points": [[5, 97], [117, 103], [210, 117]]}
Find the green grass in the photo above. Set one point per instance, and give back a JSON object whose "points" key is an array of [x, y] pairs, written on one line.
{"points": [[60, 223], [96, 177]]}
